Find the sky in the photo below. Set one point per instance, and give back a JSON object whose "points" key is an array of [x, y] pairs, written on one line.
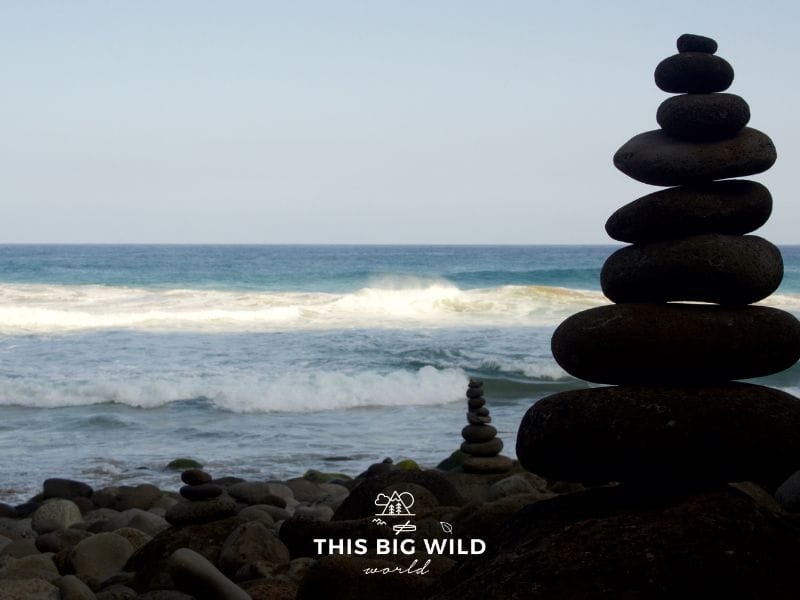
{"points": [[361, 122]]}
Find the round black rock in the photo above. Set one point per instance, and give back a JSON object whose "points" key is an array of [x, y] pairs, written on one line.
{"points": [[478, 433], [703, 117], [657, 158], [733, 432], [724, 269], [694, 73], [474, 419], [475, 383], [689, 42], [203, 491], [732, 207], [483, 449], [474, 403], [671, 344], [474, 392], [195, 477]]}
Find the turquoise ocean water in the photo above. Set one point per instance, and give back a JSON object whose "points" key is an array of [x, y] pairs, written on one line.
{"points": [[263, 361]]}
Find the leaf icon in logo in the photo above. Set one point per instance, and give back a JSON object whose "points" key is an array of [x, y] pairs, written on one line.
{"points": [[446, 527]]}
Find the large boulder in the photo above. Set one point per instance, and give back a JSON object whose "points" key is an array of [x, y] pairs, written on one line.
{"points": [[55, 514]]}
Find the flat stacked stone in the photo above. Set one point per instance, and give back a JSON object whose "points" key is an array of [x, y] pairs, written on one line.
{"points": [[680, 332], [198, 486], [480, 438]]}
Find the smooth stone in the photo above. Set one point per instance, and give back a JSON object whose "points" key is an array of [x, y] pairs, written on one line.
{"points": [[676, 343], [26, 509], [194, 574], [474, 419], [490, 448], [657, 158], [689, 42], [34, 566], [195, 477], [474, 392], [55, 514], [7, 511], [138, 496], [254, 513], [19, 548], [724, 269], [481, 412], [731, 207], [701, 434], [136, 537], [63, 539], [117, 592], [186, 513], [478, 433], [703, 117], [16, 529], [251, 542], [145, 521], [256, 492], [203, 491], [694, 73], [28, 589], [487, 465], [510, 486], [474, 383], [65, 488], [72, 588], [788, 493], [101, 556], [474, 403]]}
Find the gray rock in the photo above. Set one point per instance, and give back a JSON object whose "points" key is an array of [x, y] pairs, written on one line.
{"points": [[788, 493], [144, 520], [656, 158], [478, 433], [723, 269], [72, 588], [56, 541], [255, 513], [319, 512], [102, 519], [255, 492], [55, 514], [140, 496], [66, 488], [117, 592], [473, 403], [35, 566], [101, 555], [730, 207], [195, 477], [703, 117], [195, 575], [185, 513], [203, 491], [475, 419], [694, 72], [16, 529], [689, 42], [249, 543], [20, 548], [277, 514], [510, 486], [670, 344], [490, 448], [706, 434], [136, 537], [28, 589], [309, 491]]}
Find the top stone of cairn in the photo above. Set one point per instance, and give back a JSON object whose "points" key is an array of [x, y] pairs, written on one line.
{"points": [[690, 42]]}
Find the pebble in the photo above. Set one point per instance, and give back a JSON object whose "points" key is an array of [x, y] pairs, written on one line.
{"points": [[703, 117], [689, 42], [694, 73], [723, 269], [195, 477], [667, 344], [732, 207], [656, 158], [478, 433]]}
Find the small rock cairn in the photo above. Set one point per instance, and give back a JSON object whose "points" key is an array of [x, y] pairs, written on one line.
{"points": [[198, 486], [480, 438], [673, 413]]}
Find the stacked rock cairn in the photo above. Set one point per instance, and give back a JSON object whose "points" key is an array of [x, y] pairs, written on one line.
{"points": [[681, 329], [198, 486], [480, 438]]}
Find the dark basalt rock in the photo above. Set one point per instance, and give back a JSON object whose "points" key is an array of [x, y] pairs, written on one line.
{"points": [[689, 42], [474, 392], [733, 432], [726, 269], [476, 402], [203, 491], [675, 344], [694, 73], [703, 117], [478, 433], [656, 158], [489, 448], [619, 543], [66, 488], [484, 465], [732, 207], [195, 477]]}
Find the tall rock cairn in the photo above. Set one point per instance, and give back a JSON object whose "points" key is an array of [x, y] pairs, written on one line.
{"points": [[481, 443], [674, 414]]}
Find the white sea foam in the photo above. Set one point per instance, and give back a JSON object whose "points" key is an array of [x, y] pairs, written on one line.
{"points": [[35, 308], [293, 391]]}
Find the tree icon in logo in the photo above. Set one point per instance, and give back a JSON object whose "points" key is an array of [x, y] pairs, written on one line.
{"points": [[398, 504]]}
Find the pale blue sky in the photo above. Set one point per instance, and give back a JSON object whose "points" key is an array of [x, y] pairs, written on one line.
{"points": [[357, 122]]}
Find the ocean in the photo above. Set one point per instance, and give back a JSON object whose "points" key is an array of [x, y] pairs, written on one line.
{"points": [[265, 361]]}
